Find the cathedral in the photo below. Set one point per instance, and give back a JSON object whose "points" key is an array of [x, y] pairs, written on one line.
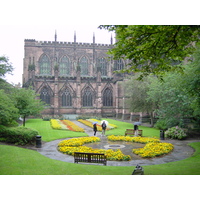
{"points": [[75, 78]]}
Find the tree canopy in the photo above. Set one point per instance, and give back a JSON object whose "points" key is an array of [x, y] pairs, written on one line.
{"points": [[5, 66], [153, 49]]}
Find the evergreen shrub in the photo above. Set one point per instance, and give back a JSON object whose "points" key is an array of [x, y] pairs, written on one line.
{"points": [[18, 135]]}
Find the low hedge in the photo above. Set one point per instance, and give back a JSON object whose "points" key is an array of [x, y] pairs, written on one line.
{"points": [[18, 135]]}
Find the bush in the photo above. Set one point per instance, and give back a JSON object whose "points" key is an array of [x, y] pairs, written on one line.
{"points": [[176, 133], [18, 135], [161, 124]]}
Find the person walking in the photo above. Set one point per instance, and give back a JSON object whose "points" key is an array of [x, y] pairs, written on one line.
{"points": [[136, 129], [103, 125], [95, 128]]}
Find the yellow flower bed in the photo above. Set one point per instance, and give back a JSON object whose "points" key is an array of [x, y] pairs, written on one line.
{"points": [[90, 124], [75, 145], [72, 126], [111, 126], [54, 124], [143, 140], [152, 148], [78, 141]]}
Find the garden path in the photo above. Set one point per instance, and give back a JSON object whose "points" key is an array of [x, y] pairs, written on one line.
{"points": [[180, 152]]}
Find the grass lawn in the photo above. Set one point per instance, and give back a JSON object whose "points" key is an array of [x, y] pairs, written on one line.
{"points": [[20, 161], [48, 134], [122, 126]]}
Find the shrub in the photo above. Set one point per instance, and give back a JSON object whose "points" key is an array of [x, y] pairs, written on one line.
{"points": [[176, 133], [18, 135]]}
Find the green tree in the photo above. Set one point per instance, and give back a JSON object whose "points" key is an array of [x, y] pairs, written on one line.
{"points": [[27, 103], [137, 92], [5, 66], [8, 112], [174, 104], [153, 49]]}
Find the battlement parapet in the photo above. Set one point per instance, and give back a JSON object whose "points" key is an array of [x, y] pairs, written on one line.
{"points": [[64, 44]]}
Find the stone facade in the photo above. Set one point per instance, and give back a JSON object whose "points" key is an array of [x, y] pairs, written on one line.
{"points": [[74, 78]]}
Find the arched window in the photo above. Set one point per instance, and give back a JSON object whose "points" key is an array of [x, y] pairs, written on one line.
{"points": [[45, 96], [87, 97], [118, 65], [84, 66], [103, 66], [64, 66], [107, 97], [66, 98], [45, 66]]}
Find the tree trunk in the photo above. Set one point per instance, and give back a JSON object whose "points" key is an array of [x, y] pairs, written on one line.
{"points": [[151, 117], [24, 120]]}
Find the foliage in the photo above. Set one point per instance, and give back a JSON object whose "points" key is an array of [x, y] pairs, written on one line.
{"points": [[75, 145], [153, 149], [18, 135], [161, 124], [8, 112], [175, 133], [5, 66], [153, 49], [27, 103]]}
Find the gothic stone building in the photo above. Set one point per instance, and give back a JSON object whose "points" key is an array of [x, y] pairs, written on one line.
{"points": [[74, 78]]}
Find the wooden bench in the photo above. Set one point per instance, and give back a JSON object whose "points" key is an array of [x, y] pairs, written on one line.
{"points": [[132, 132], [89, 157]]}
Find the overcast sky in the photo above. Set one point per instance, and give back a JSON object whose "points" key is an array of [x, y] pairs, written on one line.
{"points": [[39, 19]]}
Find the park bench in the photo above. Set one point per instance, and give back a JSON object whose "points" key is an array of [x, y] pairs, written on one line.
{"points": [[89, 157], [132, 132]]}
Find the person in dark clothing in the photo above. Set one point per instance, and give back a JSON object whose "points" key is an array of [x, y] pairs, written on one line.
{"points": [[95, 128], [103, 125], [136, 129]]}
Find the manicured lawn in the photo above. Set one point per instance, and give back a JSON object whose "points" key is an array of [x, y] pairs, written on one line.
{"points": [[20, 161], [122, 126], [49, 134]]}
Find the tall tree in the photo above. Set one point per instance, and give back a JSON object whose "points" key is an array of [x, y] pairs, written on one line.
{"points": [[8, 112], [5, 66], [153, 49], [137, 92], [27, 103]]}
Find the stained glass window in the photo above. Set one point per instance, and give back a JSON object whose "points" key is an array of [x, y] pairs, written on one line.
{"points": [[87, 97], [64, 66], [66, 98], [107, 97], [45, 66], [45, 96], [84, 66], [103, 66], [118, 65]]}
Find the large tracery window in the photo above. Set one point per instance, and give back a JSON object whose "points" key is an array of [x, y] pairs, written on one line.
{"points": [[103, 66], [87, 97], [45, 96], [66, 98], [45, 65], [107, 97], [118, 65], [64, 66], [84, 66]]}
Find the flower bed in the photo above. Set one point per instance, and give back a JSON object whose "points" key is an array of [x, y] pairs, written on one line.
{"points": [[75, 145], [72, 126], [65, 125], [89, 122], [152, 148], [54, 124]]}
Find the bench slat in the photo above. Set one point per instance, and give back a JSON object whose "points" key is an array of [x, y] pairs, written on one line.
{"points": [[89, 157]]}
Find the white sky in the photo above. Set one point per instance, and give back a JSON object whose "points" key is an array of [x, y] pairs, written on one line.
{"points": [[39, 19]]}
